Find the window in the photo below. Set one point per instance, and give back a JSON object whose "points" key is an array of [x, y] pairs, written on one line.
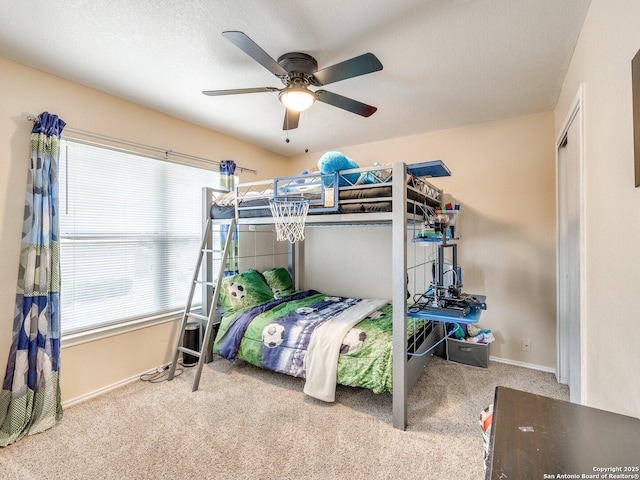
{"points": [[130, 230]]}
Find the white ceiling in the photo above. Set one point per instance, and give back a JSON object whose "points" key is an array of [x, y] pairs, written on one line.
{"points": [[447, 63]]}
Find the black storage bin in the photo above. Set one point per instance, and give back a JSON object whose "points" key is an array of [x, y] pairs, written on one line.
{"points": [[191, 340], [476, 354]]}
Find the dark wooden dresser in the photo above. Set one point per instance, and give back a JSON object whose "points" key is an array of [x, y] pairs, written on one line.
{"points": [[535, 437]]}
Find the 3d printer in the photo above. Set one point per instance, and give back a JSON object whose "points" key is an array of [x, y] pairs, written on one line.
{"points": [[444, 295]]}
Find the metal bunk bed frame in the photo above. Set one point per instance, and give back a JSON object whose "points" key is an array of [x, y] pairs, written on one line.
{"points": [[407, 367]]}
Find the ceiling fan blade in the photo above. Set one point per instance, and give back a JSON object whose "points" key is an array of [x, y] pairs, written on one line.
{"points": [[366, 63], [236, 91], [252, 49], [291, 119], [345, 103]]}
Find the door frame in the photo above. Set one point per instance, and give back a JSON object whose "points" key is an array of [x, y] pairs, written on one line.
{"points": [[575, 114]]}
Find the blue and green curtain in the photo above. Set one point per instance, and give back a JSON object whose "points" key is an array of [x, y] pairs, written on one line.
{"points": [[30, 397], [227, 182]]}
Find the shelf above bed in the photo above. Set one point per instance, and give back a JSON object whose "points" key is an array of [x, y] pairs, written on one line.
{"points": [[433, 168]]}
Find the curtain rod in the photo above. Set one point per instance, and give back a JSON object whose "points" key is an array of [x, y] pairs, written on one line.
{"points": [[34, 119]]}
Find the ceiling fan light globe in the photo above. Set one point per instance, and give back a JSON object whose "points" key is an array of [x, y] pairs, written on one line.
{"points": [[297, 100]]}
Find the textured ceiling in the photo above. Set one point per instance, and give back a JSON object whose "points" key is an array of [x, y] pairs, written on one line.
{"points": [[447, 63]]}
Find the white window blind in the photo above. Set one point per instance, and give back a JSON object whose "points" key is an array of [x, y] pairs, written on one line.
{"points": [[130, 230]]}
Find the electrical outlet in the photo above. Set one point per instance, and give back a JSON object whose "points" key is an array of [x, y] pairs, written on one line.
{"points": [[526, 344]]}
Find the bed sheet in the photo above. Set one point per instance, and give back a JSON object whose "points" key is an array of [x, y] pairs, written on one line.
{"points": [[276, 337]]}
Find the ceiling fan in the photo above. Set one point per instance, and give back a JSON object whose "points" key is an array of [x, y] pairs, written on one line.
{"points": [[298, 71]]}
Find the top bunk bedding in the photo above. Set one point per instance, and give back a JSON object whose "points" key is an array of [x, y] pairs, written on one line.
{"points": [[362, 190]]}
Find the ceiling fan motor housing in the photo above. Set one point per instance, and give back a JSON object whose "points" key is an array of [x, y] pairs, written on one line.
{"points": [[299, 65]]}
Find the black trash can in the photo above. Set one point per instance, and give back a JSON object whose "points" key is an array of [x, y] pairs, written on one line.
{"points": [[191, 340]]}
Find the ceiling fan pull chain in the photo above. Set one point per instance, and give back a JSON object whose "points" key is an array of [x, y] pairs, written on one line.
{"points": [[306, 133], [286, 118]]}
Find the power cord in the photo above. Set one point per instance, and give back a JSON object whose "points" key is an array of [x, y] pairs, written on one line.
{"points": [[160, 374]]}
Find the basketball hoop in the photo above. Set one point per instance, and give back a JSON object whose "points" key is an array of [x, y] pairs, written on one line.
{"points": [[289, 216]]}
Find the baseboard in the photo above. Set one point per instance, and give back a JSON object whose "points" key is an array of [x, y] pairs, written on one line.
{"points": [[122, 383], [523, 364], [103, 390]]}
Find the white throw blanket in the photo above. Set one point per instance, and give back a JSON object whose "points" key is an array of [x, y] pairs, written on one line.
{"points": [[324, 349]]}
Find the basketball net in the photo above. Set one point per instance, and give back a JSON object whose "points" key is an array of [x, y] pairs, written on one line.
{"points": [[289, 215]]}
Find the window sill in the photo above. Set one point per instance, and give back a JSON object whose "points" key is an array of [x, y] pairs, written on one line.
{"points": [[79, 338]]}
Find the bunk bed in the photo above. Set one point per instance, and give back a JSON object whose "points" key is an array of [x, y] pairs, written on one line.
{"points": [[398, 196]]}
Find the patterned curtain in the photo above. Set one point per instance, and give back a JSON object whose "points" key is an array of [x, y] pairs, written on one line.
{"points": [[30, 398], [227, 170]]}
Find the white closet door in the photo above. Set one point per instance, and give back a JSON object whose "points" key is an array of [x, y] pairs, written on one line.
{"points": [[569, 258]]}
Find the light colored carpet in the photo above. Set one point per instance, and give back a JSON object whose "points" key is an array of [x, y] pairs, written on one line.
{"points": [[245, 423]]}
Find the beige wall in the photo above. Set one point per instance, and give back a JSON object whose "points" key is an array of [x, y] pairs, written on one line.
{"points": [[609, 40], [98, 364], [503, 175]]}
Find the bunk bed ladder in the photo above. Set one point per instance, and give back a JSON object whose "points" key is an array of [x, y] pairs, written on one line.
{"points": [[209, 318]]}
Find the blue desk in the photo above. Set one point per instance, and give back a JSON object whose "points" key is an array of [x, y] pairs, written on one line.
{"points": [[472, 317]]}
